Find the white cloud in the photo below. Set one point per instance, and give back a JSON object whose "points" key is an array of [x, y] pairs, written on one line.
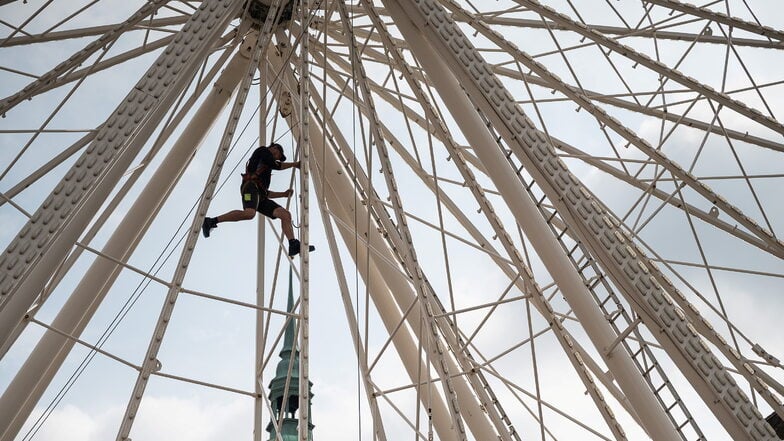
{"points": [[163, 417], [70, 424]]}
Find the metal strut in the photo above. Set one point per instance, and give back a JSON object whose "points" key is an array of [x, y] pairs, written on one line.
{"points": [[481, 387], [404, 241], [253, 48], [34, 255], [79, 57], [304, 221], [616, 252]]}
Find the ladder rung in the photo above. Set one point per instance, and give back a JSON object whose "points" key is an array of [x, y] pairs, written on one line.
{"points": [[605, 301], [596, 283]]}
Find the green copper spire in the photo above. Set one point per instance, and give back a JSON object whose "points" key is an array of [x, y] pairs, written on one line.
{"points": [[289, 360]]}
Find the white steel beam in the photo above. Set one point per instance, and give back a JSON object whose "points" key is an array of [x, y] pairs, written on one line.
{"points": [[100, 221], [261, 265], [353, 325], [774, 245], [718, 17], [418, 118], [654, 65], [383, 282], [623, 32], [596, 96], [251, 51], [488, 401], [652, 416], [304, 221], [47, 357], [91, 31], [80, 56], [712, 335], [464, 404], [74, 75], [598, 230], [115, 60], [42, 244], [31, 178], [741, 364]]}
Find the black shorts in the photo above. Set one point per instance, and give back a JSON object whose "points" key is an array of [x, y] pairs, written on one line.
{"points": [[252, 198]]}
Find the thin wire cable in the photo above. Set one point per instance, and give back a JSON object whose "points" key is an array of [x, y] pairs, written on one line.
{"points": [[128, 305]]}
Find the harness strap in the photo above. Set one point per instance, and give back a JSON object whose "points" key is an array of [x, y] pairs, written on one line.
{"points": [[250, 177], [254, 178]]}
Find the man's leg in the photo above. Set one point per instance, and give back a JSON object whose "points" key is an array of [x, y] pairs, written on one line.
{"points": [[271, 209], [232, 216], [285, 221], [237, 215], [288, 231], [250, 200]]}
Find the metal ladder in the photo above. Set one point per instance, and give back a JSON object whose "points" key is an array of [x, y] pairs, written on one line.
{"points": [[620, 319]]}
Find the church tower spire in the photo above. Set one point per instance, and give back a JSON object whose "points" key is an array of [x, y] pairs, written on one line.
{"points": [[285, 400]]}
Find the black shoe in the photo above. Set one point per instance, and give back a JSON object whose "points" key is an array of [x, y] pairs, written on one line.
{"points": [[294, 247], [208, 224]]}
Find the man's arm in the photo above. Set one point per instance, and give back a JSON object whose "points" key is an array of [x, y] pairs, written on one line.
{"points": [[285, 165], [280, 194]]}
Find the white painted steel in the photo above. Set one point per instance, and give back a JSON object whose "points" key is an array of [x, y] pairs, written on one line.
{"points": [[78, 58], [417, 60], [385, 282], [29, 261], [101, 220], [261, 273], [701, 367], [50, 352], [461, 401], [251, 50], [776, 245], [718, 17], [304, 147], [23, 393], [488, 401], [651, 415]]}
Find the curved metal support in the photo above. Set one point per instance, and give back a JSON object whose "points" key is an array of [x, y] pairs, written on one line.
{"points": [[718, 17], [656, 66], [597, 229], [79, 57], [35, 254]]}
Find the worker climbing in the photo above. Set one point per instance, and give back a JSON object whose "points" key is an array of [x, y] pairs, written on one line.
{"points": [[256, 195]]}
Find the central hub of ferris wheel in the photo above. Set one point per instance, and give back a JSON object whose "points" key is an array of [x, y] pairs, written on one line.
{"points": [[258, 10]]}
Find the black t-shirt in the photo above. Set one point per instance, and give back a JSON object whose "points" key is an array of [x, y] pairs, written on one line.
{"points": [[261, 164]]}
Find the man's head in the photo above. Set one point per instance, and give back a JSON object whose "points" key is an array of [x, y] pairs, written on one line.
{"points": [[277, 152]]}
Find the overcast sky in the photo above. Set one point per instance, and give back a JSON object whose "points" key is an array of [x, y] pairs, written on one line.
{"points": [[214, 342]]}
